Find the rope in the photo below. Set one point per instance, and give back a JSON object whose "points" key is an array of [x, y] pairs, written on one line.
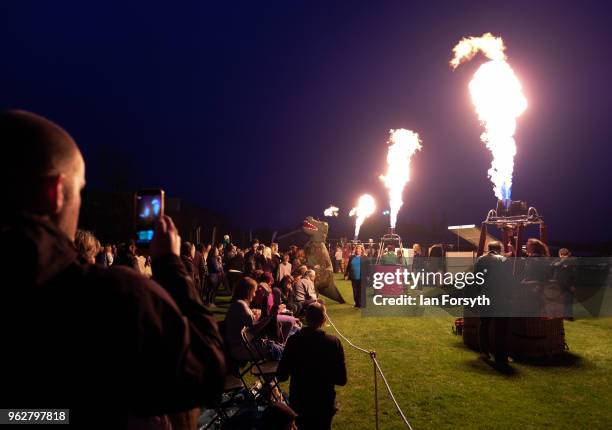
{"points": [[397, 406], [372, 355], [344, 337]]}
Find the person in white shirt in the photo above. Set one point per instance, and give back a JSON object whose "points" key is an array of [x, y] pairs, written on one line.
{"points": [[338, 260], [284, 268]]}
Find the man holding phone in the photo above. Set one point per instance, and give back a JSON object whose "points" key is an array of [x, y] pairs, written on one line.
{"points": [[108, 344]]}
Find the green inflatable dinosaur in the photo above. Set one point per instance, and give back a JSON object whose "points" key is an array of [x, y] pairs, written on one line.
{"points": [[317, 258]]}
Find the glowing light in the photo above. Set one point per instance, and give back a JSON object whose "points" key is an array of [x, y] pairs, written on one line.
{"points": [[365, 207], [402, 146], [498, 97], [331, 211]]}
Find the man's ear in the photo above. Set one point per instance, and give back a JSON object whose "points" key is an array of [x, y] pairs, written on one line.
{"points": [[54, 194]]}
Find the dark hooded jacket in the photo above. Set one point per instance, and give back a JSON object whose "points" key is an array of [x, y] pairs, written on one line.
{"points": [[106, 343]]}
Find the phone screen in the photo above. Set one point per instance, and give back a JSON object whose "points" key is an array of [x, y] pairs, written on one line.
{"points": [[149, 206]]}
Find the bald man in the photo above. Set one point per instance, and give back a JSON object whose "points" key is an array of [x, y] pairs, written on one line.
{"points": [[108, 344]]}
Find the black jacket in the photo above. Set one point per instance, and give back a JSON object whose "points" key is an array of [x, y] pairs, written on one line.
{"points": [[106, 343], [191, 268], [315, 362], [235, 263]]}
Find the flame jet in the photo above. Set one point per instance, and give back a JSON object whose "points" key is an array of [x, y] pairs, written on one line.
{"points": [[331, 211], [403, 144], [365, 207], [498, 97]]}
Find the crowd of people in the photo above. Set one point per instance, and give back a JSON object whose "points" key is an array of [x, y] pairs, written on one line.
{"points": [[128, 340]]}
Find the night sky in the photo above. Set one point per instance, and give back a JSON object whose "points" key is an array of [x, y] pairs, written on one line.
{"points": [[270, 111]]}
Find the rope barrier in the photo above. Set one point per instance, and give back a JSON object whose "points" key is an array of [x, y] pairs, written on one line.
{"points": [[377, 368], [399, 410], [343, 337]]}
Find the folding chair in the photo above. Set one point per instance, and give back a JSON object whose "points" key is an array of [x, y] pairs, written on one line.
{"points": [[260, 367]]}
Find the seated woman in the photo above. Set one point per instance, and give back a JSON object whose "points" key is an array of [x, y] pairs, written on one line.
{"points": [[270, 299], [286, 292], [240, 316]]}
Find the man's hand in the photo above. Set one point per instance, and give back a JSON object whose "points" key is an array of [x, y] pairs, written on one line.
{"points": [[166, 240]]}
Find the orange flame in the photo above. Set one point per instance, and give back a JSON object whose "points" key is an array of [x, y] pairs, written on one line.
{"points": [[498, 97]]}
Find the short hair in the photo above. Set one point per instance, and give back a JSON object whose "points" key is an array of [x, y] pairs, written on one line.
{"points": [[33, 148], [86, 244], [302, 270], [565, 252], [315, 314], [244, 289], [186, 248], [538, 247], [495, 246], [311, 273]]}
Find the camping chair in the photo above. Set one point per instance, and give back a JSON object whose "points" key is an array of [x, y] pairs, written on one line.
{"points": [[236, 368], [263, 369]]}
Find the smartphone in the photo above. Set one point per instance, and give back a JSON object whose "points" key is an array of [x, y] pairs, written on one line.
{"points": [[148, 208]]}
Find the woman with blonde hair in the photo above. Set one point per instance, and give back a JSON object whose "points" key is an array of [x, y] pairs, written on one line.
{"points": [[87, 246]]}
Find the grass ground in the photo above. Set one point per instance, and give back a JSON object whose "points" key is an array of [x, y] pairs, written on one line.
{"points": [[440, 384]]}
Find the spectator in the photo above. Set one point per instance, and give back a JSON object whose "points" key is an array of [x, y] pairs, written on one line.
{"points": [[86, 245], [338, 260], [260, 259], [126, 255], [354, 272], [301, 256], [215, 276], [284, 268], [250, 264], [315, 362], [105, 256], [299, 272], [187, 256], [200, 266], [267, 264], [304, 292], [346, 255], [234, 267], [148, 267], [105, 336], [418, 262], [286, 289], [276, 259], [240, 316]]}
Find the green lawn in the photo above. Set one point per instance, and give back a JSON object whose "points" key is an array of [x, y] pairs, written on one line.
{"points": [[439, 383]]}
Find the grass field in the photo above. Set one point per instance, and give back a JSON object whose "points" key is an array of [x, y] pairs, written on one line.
{"points": [[439, 383]]}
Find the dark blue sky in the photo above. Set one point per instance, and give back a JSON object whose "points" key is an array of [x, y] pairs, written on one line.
{"points": [[271, 111]]}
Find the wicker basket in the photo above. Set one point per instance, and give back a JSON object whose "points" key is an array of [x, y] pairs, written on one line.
{"points": [[471, 325], [536, 337]]}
